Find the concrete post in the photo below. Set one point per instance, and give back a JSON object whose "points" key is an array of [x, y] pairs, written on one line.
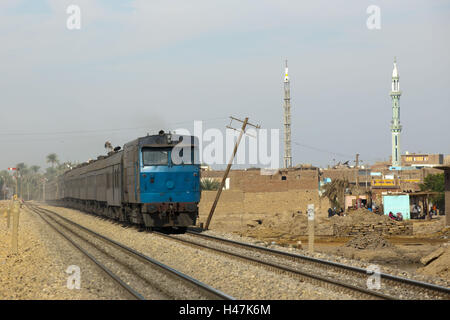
{"points": [[311, 227], [15, 231], [8, 214]]}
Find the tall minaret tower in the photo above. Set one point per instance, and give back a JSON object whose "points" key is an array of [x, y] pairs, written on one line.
{"points": [[396, 128], [287, 120]]}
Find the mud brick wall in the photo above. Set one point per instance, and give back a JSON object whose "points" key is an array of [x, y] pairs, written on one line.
{"points": [[254, 181], [388, 228], [253, 195], [238, 207]]}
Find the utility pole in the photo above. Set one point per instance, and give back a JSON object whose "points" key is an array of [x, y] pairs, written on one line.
{"points": [[43, 189], [365, 173], [17, 184], [225, 175], [357, 170]]}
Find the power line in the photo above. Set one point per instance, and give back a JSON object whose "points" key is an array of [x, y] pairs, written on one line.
{"points": [[98, 130], [322, 150]]}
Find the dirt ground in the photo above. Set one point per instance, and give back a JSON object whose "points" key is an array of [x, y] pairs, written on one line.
{"points": [[396, 251], [438, 263]]}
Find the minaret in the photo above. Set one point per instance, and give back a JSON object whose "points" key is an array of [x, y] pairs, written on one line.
{"points": [[287, 120], [396, 128]]}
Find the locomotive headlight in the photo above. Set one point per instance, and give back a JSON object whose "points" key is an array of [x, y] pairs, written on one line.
{"points": [[169, 138]]}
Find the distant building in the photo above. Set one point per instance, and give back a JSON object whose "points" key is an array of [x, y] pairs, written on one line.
{"points": [[420, 160], [447, 159], [205, 167]]}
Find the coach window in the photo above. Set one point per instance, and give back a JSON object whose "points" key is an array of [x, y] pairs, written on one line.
{"points": [[155, 157]]}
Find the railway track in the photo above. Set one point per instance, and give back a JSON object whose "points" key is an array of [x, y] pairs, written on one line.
{"points": [[136, 274], [275, 266], [349, 279]]}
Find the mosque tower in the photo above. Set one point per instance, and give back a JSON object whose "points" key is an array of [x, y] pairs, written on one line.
{"points": [[396, 128]]}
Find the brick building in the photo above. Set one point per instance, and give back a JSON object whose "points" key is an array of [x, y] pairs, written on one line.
{"points": [[422, 160], [379, 179], [257, 180]]}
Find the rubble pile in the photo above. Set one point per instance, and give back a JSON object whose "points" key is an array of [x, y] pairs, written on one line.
{"points": [[444, 233], [371, 241], [363, 221]]}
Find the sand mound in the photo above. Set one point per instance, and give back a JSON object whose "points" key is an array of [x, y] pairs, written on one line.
{"points": [[369, 241], [439, 267], [289, 224], [424, 227]]}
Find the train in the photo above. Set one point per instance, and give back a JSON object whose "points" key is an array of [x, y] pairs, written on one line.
{"points": [[153, 181]]}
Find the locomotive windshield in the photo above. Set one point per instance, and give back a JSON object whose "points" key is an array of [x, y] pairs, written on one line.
{"points": [[185, 155], [155, 157]]}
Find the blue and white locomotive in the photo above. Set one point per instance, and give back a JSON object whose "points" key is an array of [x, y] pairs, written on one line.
{"points": [[154, 182]]}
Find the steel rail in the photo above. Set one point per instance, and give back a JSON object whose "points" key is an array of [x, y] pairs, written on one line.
{"points": [[210, 291], [305, 275], [396, 279]]}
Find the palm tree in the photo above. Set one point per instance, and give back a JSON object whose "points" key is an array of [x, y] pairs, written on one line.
{"points": [[35, 169], [63, 167], [53, 159], [51, 173], [209, 184], [22, 167], [334, 191], [6, 183]]}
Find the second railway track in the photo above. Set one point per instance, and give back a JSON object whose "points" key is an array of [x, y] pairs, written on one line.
{"points": [[140, 276], [349, 279]]}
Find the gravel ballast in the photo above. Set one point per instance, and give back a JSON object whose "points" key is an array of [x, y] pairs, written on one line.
{"points": [[334, 258], [235, 278]]}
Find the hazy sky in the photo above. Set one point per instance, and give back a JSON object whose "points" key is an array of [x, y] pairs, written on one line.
{"points": [[143, 65]]}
